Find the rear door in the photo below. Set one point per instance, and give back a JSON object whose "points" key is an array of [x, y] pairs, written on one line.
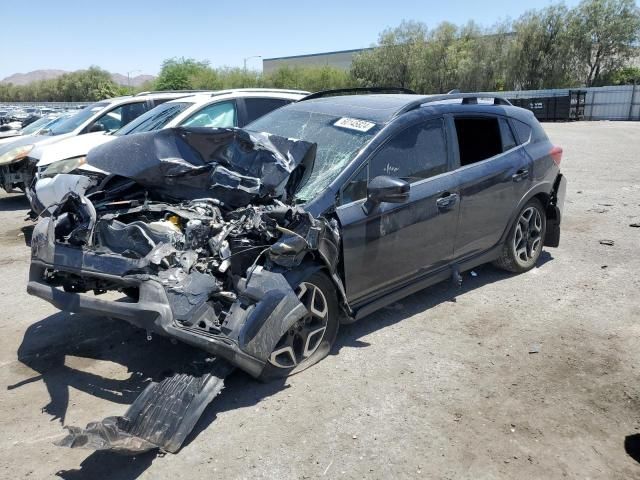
{"points": [[493, 173], [396, 243]]}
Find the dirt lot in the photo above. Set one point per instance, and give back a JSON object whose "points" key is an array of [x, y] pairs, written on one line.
{"points": [[441, 385]]}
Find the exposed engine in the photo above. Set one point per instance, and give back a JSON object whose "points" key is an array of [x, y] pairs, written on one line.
{"points": [[198, 250]]}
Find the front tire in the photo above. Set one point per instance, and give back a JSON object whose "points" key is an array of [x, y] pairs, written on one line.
{"points": [[313, 336], [523, 246]]}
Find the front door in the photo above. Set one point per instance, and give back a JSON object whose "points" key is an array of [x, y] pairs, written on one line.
{"points": [[396, 243]]}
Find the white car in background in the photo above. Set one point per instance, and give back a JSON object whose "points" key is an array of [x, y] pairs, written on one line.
{"points": [[17, 166], [225, 108]]}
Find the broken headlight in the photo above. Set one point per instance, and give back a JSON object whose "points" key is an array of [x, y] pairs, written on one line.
{"points": [[15, 154], [63, 166]]}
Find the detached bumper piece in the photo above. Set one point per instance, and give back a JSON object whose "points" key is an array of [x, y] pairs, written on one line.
{"points": [[161, 417]]}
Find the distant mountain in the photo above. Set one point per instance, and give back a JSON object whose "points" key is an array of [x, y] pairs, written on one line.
{"points": [[135, 81], [26, 78]]}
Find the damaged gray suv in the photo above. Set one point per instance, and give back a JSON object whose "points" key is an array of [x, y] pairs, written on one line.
{"points": [[255, 244]]}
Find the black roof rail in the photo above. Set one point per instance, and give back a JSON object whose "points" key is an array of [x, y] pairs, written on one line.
{"points": [[467, 99], [356, 90]]}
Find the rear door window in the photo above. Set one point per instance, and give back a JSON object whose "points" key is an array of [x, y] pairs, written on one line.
{"points": [[479, 138], [120, 116]]}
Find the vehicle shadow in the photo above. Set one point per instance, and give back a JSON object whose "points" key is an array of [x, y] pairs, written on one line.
{"points": [[632, 446], [421, 301], [47, 343], [14, 202]]}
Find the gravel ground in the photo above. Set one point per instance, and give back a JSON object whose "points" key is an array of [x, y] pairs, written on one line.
{"points": [[441, 385]]}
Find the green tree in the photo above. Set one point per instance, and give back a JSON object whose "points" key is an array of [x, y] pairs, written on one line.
{"points": [[181, 73], [623, 76], [311, 79], [394, 60], [539, 56], [605, 36]]}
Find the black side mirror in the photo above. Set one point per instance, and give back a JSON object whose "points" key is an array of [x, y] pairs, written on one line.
{"points": [[385, 189], [97, 127]]}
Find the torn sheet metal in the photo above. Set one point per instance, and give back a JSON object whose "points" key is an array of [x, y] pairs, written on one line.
{"points": [[230, 164], [161, 417]]}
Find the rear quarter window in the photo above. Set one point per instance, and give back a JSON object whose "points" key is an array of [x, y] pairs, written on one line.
{"points": [[523, 131], [508, 140], [526, 132]]}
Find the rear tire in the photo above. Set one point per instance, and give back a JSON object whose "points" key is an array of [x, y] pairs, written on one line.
{"points": [[523, 246], [312, 337]]}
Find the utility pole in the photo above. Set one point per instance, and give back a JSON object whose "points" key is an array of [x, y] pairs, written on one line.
{"points": [[244, 70], [129, 79]]}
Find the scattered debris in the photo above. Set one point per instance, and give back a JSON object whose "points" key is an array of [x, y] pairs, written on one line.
{"points": [[603, 266], [534, 348], [635, 225], [161, 417], [609, 243]]}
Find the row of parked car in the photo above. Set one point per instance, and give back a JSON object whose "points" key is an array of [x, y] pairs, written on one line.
{"points": [[45, 149], [15, 119], [251, 223]]}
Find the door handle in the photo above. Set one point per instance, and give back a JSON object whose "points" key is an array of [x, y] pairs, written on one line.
{"points": [[447, 200], [520, 175]]}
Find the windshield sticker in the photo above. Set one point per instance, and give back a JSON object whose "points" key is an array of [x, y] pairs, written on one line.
{"points": [[354, 124]]}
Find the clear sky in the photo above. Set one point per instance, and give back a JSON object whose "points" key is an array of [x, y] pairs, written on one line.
{"points": [[122, 36]]}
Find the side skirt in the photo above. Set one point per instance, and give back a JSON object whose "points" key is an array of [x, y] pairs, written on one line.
{"points": [[365, 308]]}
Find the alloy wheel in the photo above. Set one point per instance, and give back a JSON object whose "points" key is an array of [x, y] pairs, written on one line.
{"points": [[305, 336], [528, 235]]}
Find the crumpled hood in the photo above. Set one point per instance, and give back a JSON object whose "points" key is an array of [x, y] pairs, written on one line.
{"points": [[233, 165]]}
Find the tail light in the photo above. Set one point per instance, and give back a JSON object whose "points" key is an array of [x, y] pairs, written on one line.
{"points": [[556, 155]]}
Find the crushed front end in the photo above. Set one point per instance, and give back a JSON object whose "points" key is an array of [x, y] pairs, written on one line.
{"points": [[212, 271]]}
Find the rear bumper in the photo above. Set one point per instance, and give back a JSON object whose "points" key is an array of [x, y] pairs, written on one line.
{"points": [[555, 210]]}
